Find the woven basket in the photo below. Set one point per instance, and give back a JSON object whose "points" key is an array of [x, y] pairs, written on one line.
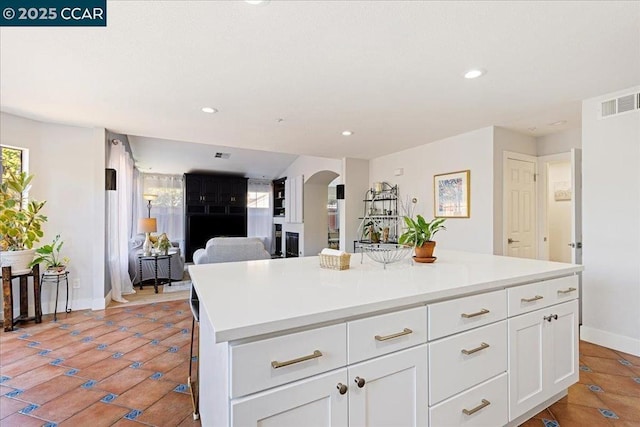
{"points": [[335, 262]]}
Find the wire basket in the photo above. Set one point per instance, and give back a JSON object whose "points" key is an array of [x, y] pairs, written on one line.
{"points": [[386, 254], [335, 262]]}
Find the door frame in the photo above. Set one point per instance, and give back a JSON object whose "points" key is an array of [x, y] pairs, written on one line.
{"points": [[506, 155], [542, 207]]}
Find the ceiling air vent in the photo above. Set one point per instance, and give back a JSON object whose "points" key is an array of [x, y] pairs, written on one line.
{"points": [[620, 105], [222, 155]]}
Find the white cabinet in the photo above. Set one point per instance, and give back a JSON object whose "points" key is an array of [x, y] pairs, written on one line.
{"points": [[315, 401], [294, 199], [543, 355], [390, 390]]}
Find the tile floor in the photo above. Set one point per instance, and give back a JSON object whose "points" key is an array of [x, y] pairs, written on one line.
{"points": [[128, 366]]}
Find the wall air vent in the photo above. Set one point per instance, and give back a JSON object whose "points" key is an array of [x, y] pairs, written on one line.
{"points": [[222, 155], [620, 105]]}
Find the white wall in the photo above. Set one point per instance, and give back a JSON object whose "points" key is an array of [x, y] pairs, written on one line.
{"points": [[560, 142], [307, 166], [68, 163], [471, 150], [505, 140], [611, 226], [558, 213]]}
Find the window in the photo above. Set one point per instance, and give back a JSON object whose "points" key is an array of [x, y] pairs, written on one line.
{"points": [[12, 160], [258, 199]]}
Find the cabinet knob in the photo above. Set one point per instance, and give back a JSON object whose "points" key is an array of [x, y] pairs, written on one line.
{"points": [[359, 381], [342, 388]]}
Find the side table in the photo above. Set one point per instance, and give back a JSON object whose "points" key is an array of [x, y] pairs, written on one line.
{"points": [[153, 258], [7, 295], [57, 277]]}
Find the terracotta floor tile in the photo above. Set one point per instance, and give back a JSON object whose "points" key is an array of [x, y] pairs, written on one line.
{"points": [[98, 331], [161, 333], [17, 354], [165, 362], [179, 373], [88, 324], [616, 384], [51, 389], [145, 327], [585, 378], [60, 341], [128, 344], [35, 376], [10, 406], [589, 349], [625, 407], [118, 317], [97, 415], [623, 423], [86, 359], [635, 370], [569, 415], [635, 360], [178, 339], [190, 422], [19, 420], [145, 353], [145, 394], [170, 410], [533, 422], [69, 404], [127, 423], [544, 414], [103, 369], [23, 365], [606, 366], [13, 343], [72, 349], [122, 381], [49, 334], [186, 323], [113, 337], [133, 321], [579, 394]]}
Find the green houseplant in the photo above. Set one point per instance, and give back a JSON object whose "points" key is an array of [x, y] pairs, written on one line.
{"points": [[20, 221], [163, 244], [420, 233], [49, 255]]}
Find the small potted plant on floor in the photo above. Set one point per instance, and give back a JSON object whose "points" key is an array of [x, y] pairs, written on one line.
{"points": [[20, 221], [420, 234], [49, 255]]}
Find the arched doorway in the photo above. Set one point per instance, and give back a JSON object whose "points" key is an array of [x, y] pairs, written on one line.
{"points": [[316, 212]]}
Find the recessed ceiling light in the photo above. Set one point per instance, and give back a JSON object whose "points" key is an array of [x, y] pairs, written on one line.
{"points": [[558, 123], [209, 110], [475, 73], [256, 2], [347, 133]]}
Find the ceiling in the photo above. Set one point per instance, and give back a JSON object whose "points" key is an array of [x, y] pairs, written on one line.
{"points": [[390, 71]]}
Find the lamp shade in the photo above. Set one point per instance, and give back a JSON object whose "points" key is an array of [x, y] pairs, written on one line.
{"points": [[147, 225]]}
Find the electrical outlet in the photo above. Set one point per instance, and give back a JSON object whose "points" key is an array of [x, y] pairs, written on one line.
{"points": [[76, 283]]}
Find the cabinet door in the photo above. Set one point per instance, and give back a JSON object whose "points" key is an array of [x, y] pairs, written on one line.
{"points": [[193, 186], [526, 376], [315, 401], [238, 195], [209, 190], [561, 347], [390, 390]]}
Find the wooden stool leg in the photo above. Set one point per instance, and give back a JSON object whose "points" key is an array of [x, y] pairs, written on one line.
{"points": [[24, 297], [7, 299]]}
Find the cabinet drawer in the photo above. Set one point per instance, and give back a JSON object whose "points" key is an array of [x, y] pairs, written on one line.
{"points": [[263, 364], [375, 336], [483, 405], [464, 360], [523, 299], [450, 317]]}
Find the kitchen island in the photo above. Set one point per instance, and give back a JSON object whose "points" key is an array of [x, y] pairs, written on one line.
{"points": [[472, 339]]}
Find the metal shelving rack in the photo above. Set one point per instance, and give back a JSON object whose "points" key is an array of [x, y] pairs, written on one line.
{"points": [[380, 211]]}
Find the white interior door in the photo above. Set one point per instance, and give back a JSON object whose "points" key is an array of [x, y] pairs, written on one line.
{"points": [[519, 206]]}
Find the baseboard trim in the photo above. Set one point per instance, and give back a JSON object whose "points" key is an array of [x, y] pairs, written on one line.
{"points": [[101, 303], [610, 340]]}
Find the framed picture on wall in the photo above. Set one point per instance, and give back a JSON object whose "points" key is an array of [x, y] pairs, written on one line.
{"points": [[452, 195]]}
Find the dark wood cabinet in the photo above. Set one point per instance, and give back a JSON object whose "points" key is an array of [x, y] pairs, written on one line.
{"points": [[278, 197], [215, 205]]}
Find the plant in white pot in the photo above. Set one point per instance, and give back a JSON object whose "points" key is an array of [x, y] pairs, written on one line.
{"points": [[420, 234], [20, 222], [49, 255]]}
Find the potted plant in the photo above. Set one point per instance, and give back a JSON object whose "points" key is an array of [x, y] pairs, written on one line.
{"points": [[49, 255], [163, 244], [370, 230], [20, 221], [420, 234]]}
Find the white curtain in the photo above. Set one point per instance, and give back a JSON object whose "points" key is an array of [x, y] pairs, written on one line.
{"points": [[259, 211], [168, 208], [119, 206]]}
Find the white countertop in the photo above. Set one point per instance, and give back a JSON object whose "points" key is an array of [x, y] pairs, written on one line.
{"points": [[246, 299]]}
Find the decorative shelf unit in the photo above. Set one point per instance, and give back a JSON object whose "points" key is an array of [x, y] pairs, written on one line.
{"points": [[278, 196], [381, 213]]}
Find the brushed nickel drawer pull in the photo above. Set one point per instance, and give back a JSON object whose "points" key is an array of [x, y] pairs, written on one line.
{"points": [[536, 298], [482, 346], [472, 411], [275, 364], [342, 388], [406, 331], [477, 313], [566, 291]]}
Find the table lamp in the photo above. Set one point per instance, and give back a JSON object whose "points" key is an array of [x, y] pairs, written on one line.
{"points": [[147, 225]]}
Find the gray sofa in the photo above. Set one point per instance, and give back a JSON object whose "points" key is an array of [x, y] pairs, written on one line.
{"points": [[228, 249], [135, 249]]}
